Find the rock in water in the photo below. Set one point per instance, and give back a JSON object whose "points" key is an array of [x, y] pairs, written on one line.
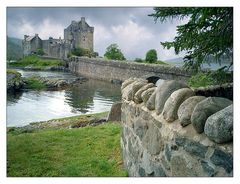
{"points": [[163, 92], [137, 96], [174, 101], [186, 108], [115, 112], [206, 108], [219, 126]]}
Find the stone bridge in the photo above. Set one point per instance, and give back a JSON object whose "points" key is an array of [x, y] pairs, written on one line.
{"points": [[119, 71]]}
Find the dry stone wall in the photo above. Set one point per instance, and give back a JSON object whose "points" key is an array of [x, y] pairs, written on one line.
{"points": [[166, 142]]}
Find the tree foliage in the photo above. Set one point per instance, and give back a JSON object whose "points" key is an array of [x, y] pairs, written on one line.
{"points": [[81, 52], [208, 33], [40, 52], [151, 56], [113, 52]]}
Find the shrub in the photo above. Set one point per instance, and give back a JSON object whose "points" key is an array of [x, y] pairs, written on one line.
{"points": [[40, 52], [113, 52], [151, 56], [82, 52], [34, 83], [217, 77], [138, 60]]}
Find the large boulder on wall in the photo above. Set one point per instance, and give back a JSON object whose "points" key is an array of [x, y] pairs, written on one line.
{"points": [[163, 92], [137, 96], [186, 108], [151, 101], [219, 126], [206, 108], [129, 91], [174, 101], [127, 82], [147, 94]]}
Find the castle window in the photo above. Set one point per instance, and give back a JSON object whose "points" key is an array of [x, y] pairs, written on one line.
{"points": [[84, 38]]}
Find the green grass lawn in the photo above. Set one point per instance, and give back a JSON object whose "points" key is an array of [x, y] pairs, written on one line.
{"points": [[88, 151], [36, 62]]}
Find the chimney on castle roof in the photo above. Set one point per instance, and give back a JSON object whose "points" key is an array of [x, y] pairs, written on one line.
{"points": [[25, 37], [36, 35], [82, 19]]}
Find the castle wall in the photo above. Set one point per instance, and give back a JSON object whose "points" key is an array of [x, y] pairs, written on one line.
{"points": [[121, 70], [152, 146]]}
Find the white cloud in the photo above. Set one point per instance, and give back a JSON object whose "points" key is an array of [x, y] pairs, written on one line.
{"points": [[134, 37], [44, 29]]}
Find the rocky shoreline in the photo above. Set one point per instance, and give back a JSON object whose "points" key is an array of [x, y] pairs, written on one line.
{"points": [[15, 82], [62, 123]]}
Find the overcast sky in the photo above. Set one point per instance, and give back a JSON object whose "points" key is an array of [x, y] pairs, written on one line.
{"points": [[131, 28]]}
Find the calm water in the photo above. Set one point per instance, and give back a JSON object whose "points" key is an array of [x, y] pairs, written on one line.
{"points": [[89, 97]]}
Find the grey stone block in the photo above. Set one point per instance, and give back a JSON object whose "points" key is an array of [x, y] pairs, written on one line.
{"points": [[219, 126], [206, 108], [222, 159]]}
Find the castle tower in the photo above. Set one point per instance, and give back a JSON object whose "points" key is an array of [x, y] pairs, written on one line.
{"points": [[79, 34]]}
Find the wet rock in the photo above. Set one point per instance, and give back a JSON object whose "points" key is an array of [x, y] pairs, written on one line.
{"points": [[164, 91], [146, 94], [206, 108], [137, 96], [219, 126], [186, 108], [14, 80], [151, 101], [116, 81], [174, 101], [115, 112]]}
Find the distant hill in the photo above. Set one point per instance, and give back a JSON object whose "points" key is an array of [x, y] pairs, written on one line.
{"points": [[14, 48], [213, 65]]}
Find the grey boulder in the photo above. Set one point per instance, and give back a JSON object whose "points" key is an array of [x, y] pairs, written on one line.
{"points": [[174, 101], [163, 92], [137, 96], [206, 108], [151, 101], [146, 94], [129, 91], [127, 82], [115, 112], [186, 108], [219, 126]]}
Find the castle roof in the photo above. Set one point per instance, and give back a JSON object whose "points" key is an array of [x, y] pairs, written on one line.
{"points": [[30, 38]]}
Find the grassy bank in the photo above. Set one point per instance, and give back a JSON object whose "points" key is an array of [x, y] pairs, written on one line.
{"points": [[88, 151], [36, 62]]}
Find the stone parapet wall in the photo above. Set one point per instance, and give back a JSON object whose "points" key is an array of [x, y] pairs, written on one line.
{"points": [[158, 143], [121, 70]]}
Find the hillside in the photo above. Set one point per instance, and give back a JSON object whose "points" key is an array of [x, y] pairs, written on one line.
{"points": [[14, 48]]}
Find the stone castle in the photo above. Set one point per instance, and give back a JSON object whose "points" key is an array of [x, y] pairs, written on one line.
{"points": [[76, 35]]}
